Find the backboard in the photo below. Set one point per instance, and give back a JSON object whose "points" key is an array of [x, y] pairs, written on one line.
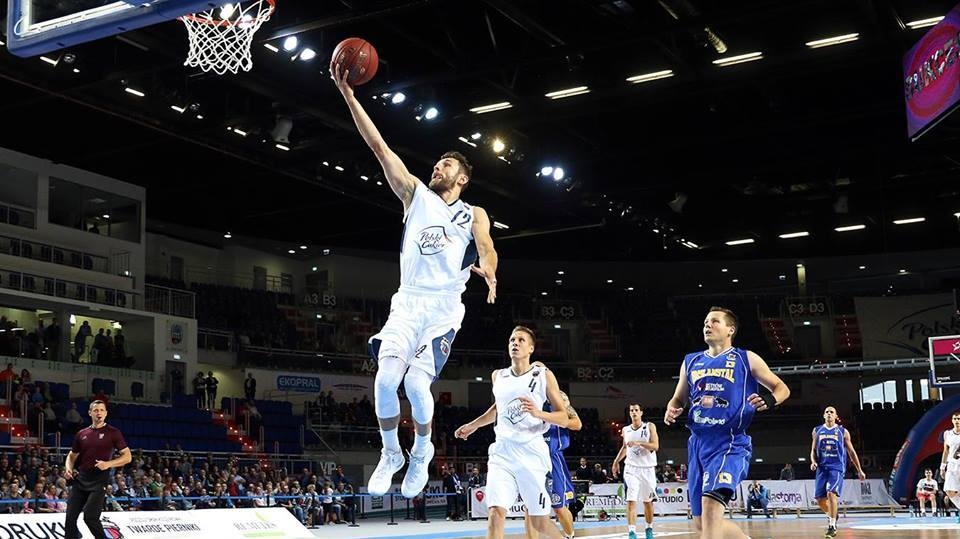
{"points": [[945, 360], [38, 26]]}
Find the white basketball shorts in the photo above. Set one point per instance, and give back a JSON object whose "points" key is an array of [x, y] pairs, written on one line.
{"points": [[641, 483], [420, 330], [519, 472]]}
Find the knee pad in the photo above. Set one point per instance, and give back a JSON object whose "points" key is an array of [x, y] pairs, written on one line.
{"points": [[417, 383], [390, 372]]}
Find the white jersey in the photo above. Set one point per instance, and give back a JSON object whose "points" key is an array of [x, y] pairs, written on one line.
{"points": [[513, 424], [952, 441], [438, 247], [639, 456], [927, 486]]}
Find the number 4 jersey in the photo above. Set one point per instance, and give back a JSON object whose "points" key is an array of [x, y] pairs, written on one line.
{"points": [[438, 247]]}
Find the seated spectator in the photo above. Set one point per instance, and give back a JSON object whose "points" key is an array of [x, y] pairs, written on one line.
{"points": [[758, 497], [313, 508]]}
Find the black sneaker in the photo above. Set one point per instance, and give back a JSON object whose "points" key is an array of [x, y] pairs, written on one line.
{"points": [[831, 532]]}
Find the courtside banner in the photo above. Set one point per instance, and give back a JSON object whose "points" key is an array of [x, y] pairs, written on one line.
{"points": [[784, 494], [275, 523], [372, 504]]}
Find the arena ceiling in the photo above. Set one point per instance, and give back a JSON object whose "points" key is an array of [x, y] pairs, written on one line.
{"points": [[803, 139]]}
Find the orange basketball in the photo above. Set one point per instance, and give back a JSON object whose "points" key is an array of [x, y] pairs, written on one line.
{"points": [[357, 56]]}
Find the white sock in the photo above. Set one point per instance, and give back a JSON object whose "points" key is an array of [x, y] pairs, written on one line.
{"points": [[833, 522], [631, 528], [391, 442], [420, 444], [649, 525]]}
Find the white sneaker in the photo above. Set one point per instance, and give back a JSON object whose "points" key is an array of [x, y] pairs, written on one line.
{"points": [[417, 473], [390, 463]]}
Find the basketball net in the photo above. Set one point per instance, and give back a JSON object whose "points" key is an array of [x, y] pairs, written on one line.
{"points": [[220, 38]]}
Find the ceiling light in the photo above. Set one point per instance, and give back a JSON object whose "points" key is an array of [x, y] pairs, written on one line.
{"points": [[561, 272], [475, 136], [498, 224], [546, 171], [290, 43], [178, 109], [134, 91], [282, 147], [739, 59], [465, 141], [862, 267], [957, 215], [903, 271], [559, 281], [431, 113], [498, 145], [398, 98], [836, 40], [567, 92], [629, 289], [199, 116], [49, 60], [106, 216], [850, 228], [806, 322], [2, 43], [338, 167], [740, 242], [724, 270], [313, 268], [557, 174], [556, 326], [647, 77], [700, 285], [240, 132], [691, 245], [923, 23], [307, 54], [911, 220], [543, 293], [270, 47], [790, 235], [364, 178], [380, 183], [291, 251], [609, 281], [491, 107], [75, 70], [228, 235], [303, 247], [326, 163], [734, 280]]}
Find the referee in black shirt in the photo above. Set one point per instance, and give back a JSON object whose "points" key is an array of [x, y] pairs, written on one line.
{"points": [[88, 465]]}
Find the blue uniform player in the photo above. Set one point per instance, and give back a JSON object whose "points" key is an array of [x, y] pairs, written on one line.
{"points": [[559, 482], [828, 457], [721, 386]]}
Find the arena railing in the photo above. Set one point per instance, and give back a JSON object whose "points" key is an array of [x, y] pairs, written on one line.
{"points": [[54, 254], [163, 300], [18, 216], [62, 288]]}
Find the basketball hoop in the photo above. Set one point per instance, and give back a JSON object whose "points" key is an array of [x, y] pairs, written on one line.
{"points": [[220, 38]]}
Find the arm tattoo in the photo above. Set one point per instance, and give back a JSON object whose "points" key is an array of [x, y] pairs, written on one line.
{"points": [[571, 413]]}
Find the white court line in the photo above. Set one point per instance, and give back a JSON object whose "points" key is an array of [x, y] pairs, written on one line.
{"points": [[621, 534]]}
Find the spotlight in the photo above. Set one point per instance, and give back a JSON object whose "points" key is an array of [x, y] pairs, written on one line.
{"points": [[498, 145], [308, 54], [557, 174], [290, 43], [475, 136], [431, 113], [546, 171], [398, 98]]}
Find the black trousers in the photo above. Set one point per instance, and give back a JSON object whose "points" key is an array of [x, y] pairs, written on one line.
{"points": [[90, 503]]}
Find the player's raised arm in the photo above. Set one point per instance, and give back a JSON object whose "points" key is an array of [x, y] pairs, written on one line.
{"points": [[488, 255], [676, 403], [401, 181], [779, 390]]}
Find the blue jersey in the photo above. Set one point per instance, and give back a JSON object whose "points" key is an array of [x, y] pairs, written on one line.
{"points": [[557, 438], [719, 387], [831, 449]]}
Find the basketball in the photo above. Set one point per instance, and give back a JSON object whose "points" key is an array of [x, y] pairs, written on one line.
{"points": [[357, 56]]}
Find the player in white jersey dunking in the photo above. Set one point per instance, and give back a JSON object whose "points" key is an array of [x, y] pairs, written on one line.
{"points": [[519, 459], [950, 463], [442, 238], [640, 446]]}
